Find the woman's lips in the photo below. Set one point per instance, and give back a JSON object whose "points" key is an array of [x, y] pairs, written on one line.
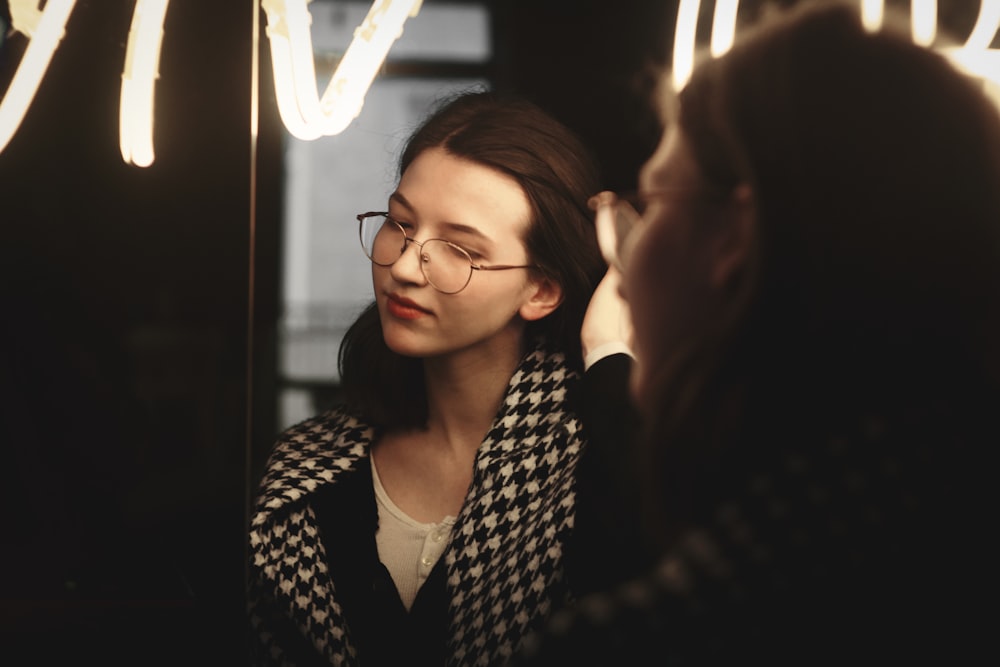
{"points": [[404, 308]]}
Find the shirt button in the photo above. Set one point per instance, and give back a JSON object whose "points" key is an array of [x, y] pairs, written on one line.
{"points": [[426, 561], [437, 537]]}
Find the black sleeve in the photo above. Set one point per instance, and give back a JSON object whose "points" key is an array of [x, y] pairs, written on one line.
{"points": [[607, 546]]}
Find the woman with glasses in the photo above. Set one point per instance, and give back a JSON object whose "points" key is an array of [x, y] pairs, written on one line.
{"points": [[814, 291], [423, 521]]}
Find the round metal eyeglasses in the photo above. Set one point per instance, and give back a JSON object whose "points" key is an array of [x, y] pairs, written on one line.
{"points": [[447, 267], [616, 217]]}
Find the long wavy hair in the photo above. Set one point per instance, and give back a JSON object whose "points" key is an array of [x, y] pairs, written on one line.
{"points": [[558, 174]]}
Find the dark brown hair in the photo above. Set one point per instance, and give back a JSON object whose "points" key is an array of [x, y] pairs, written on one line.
{"points": [[558, 174], [874, 283]]}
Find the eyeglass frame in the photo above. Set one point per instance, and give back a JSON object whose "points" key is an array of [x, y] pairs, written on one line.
{"points": [[420, 244], [610, 237]]}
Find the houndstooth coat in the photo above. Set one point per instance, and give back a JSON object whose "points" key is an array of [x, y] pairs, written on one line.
{"points": [[504, 563]]}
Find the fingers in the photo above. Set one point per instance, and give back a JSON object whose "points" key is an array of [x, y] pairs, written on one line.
{"points": [[607, 318]]}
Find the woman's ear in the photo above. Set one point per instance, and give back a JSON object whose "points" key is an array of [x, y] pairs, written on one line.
{"points": [[545, 298], [732, 247]]}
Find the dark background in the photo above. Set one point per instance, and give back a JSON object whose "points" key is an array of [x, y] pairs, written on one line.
{"points": [[134, 415]]}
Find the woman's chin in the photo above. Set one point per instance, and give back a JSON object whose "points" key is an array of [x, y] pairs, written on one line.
{"points": [[404, 343]]}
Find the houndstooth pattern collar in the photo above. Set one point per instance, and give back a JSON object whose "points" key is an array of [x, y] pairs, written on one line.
{"points": [[504, 561]]}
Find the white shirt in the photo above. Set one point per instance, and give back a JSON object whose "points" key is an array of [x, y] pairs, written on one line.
{"points": [[408, 548]]}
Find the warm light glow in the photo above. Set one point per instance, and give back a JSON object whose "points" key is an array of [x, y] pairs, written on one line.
{"points": [[685, 37], [306, 115], [872, 14], [724, 26], [986, 26], [923, 21], [975, 57], [142, 58], [45, 30]]}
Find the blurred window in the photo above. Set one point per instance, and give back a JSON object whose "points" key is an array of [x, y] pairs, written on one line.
{"points": [[326, 278]]}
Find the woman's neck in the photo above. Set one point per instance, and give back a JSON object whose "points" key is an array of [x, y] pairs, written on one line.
{"points": [[465, 390], [427, 472]]}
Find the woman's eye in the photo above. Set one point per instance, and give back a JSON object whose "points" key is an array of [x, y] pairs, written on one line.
{"points": [[467, 250]]}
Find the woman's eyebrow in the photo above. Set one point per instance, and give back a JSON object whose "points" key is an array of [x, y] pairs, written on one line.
{"points": [[401, 200], [460, 228], [456, 227]]}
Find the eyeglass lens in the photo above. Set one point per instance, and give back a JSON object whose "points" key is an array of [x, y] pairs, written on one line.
{"points": [[616, 218], [446, 267]]}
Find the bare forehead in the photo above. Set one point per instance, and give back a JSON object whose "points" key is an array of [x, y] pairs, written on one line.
{"points": [[462, 195], [455, 226]]}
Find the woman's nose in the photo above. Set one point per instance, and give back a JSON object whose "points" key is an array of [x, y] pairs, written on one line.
{"points": [[408, 268]]}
